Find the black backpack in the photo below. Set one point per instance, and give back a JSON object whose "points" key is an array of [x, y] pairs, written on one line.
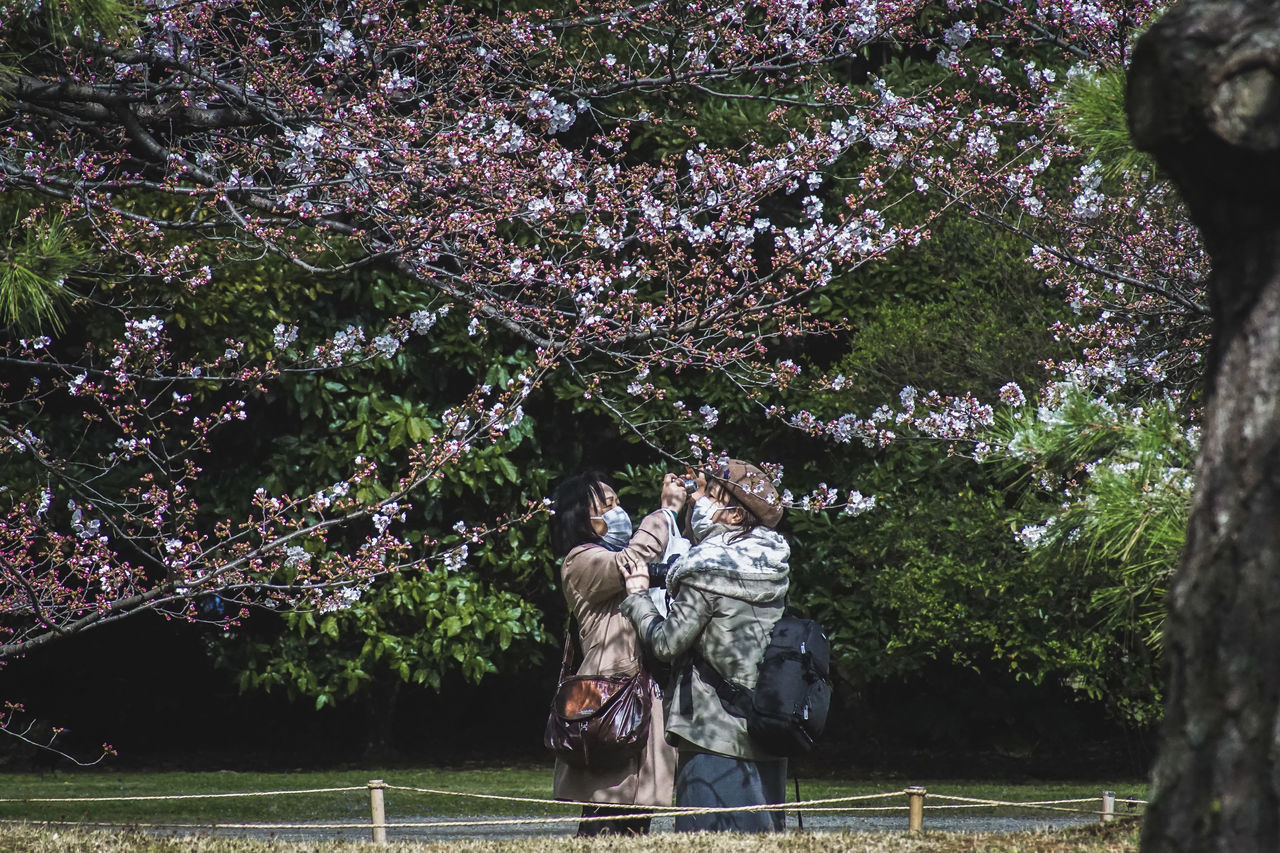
{"points": [[787, 710]]}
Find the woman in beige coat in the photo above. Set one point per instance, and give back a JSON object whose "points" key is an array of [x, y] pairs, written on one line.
{"points": [[596, 537]]}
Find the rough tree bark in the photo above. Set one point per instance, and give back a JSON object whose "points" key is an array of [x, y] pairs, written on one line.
{"points": [[1204, 98]]}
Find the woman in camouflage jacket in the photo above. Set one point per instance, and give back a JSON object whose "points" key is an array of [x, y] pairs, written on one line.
{"points": [[724, 597]]}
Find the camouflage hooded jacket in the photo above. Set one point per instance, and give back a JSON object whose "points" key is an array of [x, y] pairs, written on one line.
{"points": [[724, 597]]}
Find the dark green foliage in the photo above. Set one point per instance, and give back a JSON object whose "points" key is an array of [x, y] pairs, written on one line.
{"points": [[413, 626], [984, 327], [1094, 107], [68, 19], [1105, 492], [34, 264], [935, 573]]}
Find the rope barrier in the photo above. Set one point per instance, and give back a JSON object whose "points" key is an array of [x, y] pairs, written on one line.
{"points": [[1018, 805], [653, 811], [176, 796], [1001, 802], [669, 809], [509, 799], [976, 801], [825, 804], [433, 823], [968, 802], [1044, 805], [841, 809], [362, 826]]}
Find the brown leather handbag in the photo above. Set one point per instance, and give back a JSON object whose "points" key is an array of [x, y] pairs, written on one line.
{"points": [[598, 721]]}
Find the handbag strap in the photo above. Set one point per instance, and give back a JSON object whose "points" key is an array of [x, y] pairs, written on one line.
{"points": [[566, 662]]}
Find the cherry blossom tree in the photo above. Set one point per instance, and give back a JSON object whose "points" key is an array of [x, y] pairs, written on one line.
{"points": [[1000, 136], [1023, 129], [542, 173], [484, 158]]}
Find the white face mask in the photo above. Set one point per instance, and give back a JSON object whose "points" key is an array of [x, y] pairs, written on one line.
{"points": [[700, 517], [617, 528]]}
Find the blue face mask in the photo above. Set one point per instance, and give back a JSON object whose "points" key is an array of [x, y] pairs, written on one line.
{"points": [[618, 528]]}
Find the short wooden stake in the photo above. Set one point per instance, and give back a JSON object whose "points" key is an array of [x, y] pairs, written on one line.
{"points": [[915, 808], [1108, 806], [378, 810]]}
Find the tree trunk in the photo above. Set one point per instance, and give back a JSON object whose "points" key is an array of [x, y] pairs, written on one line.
{"points": [[1204, 97]]}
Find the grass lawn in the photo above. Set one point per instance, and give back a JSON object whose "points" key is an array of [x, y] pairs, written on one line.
{"points": [[1117, 837], [351, 806]]}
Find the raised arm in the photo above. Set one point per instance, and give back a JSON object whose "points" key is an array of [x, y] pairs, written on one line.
{"points": [[668, 638], [594, 571]]}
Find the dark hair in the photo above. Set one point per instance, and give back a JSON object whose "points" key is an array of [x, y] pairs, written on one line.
{"points": [[571, 524]]}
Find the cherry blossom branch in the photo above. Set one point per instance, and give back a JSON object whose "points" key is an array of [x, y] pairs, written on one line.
{"points": [[1195, 308], [8, 723]]}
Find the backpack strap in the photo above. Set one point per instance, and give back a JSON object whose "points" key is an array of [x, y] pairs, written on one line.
{"points": [[735, 698], [684, 687]]}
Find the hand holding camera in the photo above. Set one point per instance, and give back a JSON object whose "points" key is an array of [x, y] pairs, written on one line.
{"points": [[674, 492], [695, 484], [635, 574]]}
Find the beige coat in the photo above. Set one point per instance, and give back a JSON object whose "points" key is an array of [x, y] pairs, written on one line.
{"points": [[593, 589]]}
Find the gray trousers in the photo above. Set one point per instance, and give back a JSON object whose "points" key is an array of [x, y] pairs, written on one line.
{"points": [[708, 780]]}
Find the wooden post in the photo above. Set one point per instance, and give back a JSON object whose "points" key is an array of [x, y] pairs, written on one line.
{"points": [[915, 808], [1108, 806], [378, 810]]}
